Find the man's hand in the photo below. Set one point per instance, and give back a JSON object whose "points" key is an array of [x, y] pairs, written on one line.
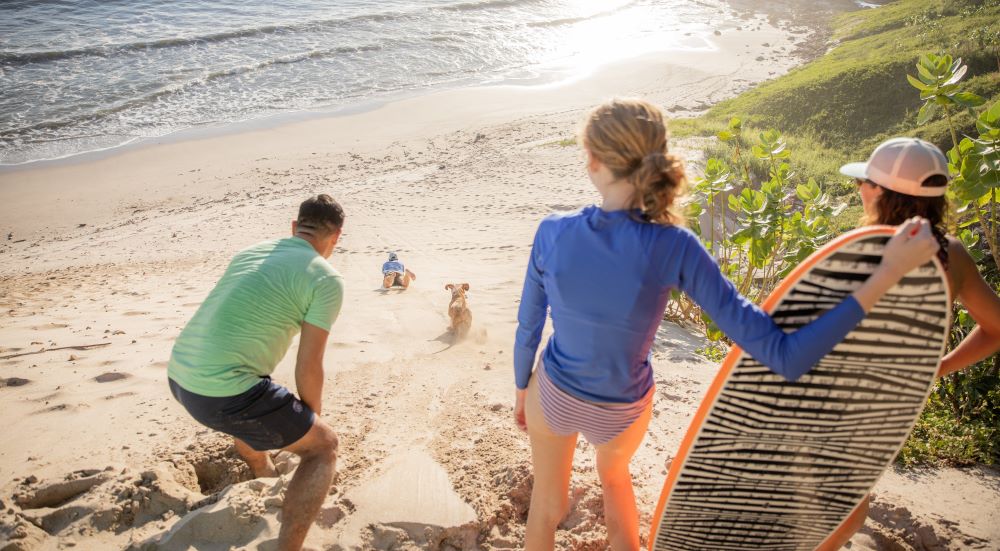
{"points": [[309, 366], [519, 410]]}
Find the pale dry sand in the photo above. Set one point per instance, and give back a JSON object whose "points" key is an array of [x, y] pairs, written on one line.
{"points": [[120, 251]]}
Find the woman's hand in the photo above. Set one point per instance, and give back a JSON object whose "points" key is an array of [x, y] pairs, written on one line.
{"points": [[519, 410], [911, 246]]}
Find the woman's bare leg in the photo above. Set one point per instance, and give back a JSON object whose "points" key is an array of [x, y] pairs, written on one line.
{"points": [[613, 459], [552, 462]]}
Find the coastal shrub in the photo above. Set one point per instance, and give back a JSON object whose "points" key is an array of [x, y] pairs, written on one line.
{"points": [[961, 422], [939, 439], [755, 215]]}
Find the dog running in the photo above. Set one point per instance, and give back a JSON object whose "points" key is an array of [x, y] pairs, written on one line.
{"points": [[458, 309]]}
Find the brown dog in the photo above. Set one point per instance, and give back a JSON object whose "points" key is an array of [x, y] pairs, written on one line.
{"points": [[458, 309]]}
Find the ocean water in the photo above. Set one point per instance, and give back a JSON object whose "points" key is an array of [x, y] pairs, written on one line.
{"points": [[84, 75]]}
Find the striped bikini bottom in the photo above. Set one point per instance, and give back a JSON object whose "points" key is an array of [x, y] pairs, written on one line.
{"points": [[599, 423]]}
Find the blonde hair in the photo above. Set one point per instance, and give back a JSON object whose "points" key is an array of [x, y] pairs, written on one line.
{"points": [[629, 136]]}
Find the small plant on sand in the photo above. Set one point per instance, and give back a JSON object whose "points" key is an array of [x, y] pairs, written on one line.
{"points": [[714, 351], [565, 142]]}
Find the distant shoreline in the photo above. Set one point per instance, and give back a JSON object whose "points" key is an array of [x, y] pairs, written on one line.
{"points": [[810, 34], [273, 120]]}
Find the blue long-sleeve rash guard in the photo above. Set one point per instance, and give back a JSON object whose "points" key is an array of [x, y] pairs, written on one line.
{"points": [[607, 277]]}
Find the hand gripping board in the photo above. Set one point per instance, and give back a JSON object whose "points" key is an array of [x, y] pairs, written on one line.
{"points": [[769, 464]]}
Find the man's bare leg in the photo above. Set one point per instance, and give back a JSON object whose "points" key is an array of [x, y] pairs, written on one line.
{"points": [[309, 486], [387, 280], [260, 462]]}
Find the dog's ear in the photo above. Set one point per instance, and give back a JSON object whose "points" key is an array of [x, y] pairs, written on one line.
{"points": [[465, 286], [449, 287]]}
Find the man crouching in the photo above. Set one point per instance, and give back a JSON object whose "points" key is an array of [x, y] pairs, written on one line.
{"points": [[221, 363]]}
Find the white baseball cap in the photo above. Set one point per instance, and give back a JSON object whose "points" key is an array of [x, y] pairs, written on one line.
{"points": [[902, 165]]}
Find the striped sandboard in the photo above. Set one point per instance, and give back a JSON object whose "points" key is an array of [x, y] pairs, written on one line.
{"points": [[768, 464]]}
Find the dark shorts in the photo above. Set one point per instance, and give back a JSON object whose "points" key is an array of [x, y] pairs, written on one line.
{"points": [[266, 417]]}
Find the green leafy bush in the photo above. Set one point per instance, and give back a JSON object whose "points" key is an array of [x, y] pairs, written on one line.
{"points": [[837, 109], [759, 225]]}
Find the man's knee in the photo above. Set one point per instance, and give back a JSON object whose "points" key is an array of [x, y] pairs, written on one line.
{"points": [[319, 443], [327, 443]]}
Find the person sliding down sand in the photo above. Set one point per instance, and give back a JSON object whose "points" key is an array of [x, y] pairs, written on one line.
{"points": [[606, 273], [221, 363], [395, 274]]}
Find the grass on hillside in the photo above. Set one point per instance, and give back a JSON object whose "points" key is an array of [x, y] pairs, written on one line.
{"points": [[838, 107]]}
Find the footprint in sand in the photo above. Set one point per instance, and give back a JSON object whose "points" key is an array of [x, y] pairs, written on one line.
{"points": [[111, 376], [49, 326], [54, 494], [57, 407], [119, 395], [13, 381]]}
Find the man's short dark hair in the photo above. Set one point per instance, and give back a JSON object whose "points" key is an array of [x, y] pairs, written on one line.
{"points": [[321, 213]]}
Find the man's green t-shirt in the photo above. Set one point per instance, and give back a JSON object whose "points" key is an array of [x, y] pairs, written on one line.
{"points": [[247, 323]]}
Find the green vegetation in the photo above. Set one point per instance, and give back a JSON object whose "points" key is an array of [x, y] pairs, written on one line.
{"points": [[841, 105], [565, 142], [762, 219], [850, 99], [713, 352], [925, 68], [939, 438]]}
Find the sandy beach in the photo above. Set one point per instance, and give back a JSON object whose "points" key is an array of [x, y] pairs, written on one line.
{"points": [[103, 261]]}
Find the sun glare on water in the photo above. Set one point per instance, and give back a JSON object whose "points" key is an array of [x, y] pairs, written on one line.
{"points": [[603, 32]]}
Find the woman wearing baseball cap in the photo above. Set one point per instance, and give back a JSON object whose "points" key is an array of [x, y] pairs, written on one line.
{"points": [[907, 177]]}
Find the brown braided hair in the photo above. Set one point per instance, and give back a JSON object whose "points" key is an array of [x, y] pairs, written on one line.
{"points": [[629, 136], [894, 208]]}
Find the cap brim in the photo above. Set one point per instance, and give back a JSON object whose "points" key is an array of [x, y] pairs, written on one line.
{"points": [[855, 170]]}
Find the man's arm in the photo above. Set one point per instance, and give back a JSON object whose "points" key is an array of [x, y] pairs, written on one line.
{"points": [[309, 366]]}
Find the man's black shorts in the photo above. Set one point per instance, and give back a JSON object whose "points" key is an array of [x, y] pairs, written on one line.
{"points": [[266, 417]]}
